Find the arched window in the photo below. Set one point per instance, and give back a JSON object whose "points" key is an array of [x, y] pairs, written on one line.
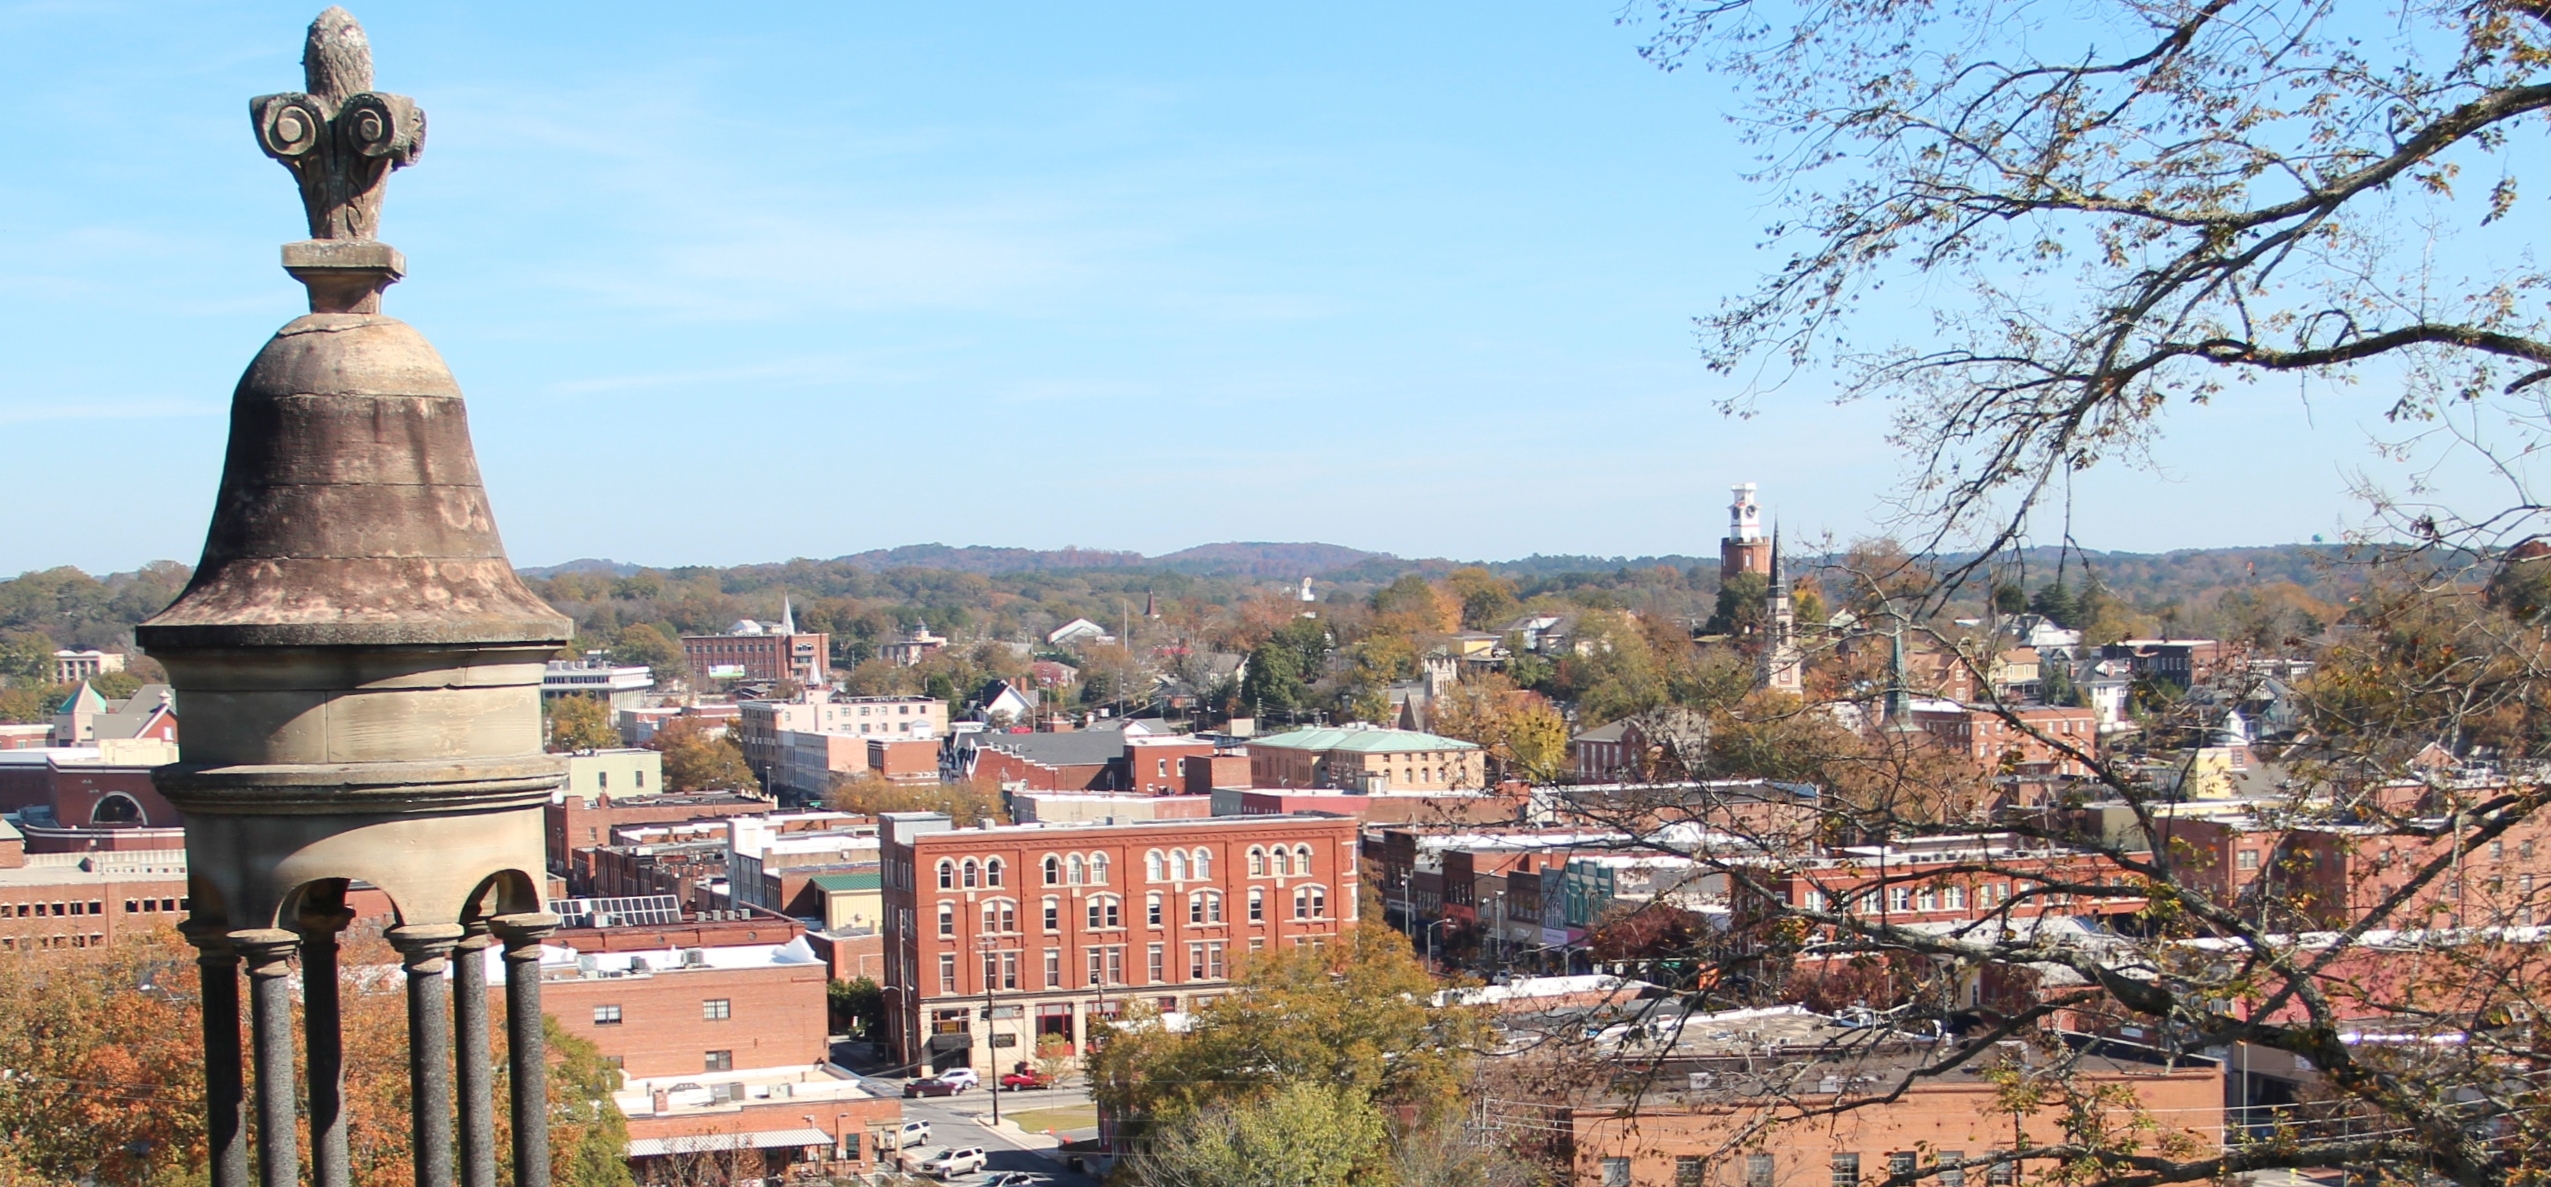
{"points": [[1204, 864], [973, 874], [947, 874], [1151, 909], [1001, 916], [1257, 862], [1098, 869], [947, 919], [1178, 865], [1213, 906], [1151, 866], [1196, 906], [1106, 911], [1302, 860], [1080, 872], [1319, 902], [1053, 913], [116, 809], [992, 871], [1053, 870], [1302, 902], [1257, 905], [1283, 861]]}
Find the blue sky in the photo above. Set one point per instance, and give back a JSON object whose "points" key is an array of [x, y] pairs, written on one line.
{"points": [[733, 284]]}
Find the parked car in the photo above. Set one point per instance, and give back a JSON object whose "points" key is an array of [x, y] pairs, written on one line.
{"points": [[1025, 1078], [948, 1164], [962, 1077], [934, 1086], [904, 1136], [1015, 1179]]}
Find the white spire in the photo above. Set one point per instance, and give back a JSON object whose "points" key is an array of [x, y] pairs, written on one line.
{"points": [[787, 616]]}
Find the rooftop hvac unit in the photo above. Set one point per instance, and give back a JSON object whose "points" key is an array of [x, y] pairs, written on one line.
{"points": [[693, 958]]}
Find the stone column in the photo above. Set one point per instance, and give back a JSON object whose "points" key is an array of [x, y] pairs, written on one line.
{"points": [[323, 1037], [527, 1053], [427, 948], [225, 1081], [477, 1069], [267, 951]]}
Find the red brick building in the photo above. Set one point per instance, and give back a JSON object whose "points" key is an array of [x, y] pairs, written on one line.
{"points": [[1982, 734], [806, 659], [581, 821], [1055, 928], [65, 900]]}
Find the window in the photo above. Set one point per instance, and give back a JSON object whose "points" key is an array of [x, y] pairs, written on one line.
{"points": [[1758, 1170], [1053, 870], [972, 874], [606, 1015], [1195, 962], [1053, 913], [1159, 970], [1616, 1172], [1691, 1172], [947, 919], [716, 1009], [992, 872], [1053, 968], [1000, 916], [1097, 965], [947, 972], [947, 874], [2247, 859], [602, 780], [1846, 1170], [1195, 908], [1283, 863], [1257, 905], [1080, 870], [1098, 869], [1952, 1175], [1900, 1163], [1953, 898], [2001, 1173], [1302, 860], [1257, 862], [719, 1061], [640, 777], [1204, 864], [1926, 899], [1899, 898], [1151, 909], [1178, 865], [1151, 866], [1105, 911]]}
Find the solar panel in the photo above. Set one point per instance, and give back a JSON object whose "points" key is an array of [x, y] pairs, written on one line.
{"points": [[654, 910]]}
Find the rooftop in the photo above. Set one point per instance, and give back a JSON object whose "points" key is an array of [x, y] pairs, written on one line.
{"points": [[1360, 739]]}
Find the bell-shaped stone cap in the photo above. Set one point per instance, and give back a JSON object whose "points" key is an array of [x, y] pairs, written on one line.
{"points": [[351, 511]]}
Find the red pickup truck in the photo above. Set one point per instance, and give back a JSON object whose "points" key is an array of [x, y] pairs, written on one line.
{"points": [[1024, 1077]]}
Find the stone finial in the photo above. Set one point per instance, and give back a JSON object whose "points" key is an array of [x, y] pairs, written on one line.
{"points": [[341, 138]]}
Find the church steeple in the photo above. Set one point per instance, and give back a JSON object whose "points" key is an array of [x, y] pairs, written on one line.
{"points": [[787, 616], [1781, 659]]}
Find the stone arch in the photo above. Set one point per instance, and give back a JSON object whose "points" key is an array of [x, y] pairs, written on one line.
{"points": [[505, 892], [118, 808]]}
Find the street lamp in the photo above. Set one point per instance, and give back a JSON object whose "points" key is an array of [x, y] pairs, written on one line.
{"points": [[1429, 929], [989, 946]]}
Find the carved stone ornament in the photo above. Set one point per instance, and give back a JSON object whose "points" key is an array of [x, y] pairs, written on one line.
{"points": [[342, 138]]}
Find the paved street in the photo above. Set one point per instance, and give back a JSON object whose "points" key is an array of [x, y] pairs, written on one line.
{"points": [[959, 1120]]}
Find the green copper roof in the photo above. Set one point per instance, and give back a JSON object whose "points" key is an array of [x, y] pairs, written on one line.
{"points": [[84, 698], [1361, 741], [844, 883]]}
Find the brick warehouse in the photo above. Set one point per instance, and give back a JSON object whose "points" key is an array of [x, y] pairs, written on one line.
{"points": [[693, 998], [1054, 927]]}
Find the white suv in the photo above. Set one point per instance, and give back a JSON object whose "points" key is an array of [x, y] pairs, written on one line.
{"points": [[904, 1136], [948, 1164]]}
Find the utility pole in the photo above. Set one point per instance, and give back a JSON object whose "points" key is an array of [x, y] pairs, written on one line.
{"points": [[991, 949]]}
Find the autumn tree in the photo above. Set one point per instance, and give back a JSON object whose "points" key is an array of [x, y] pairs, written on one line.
{"points": [[700, 757], [868, 794], [580, 723]]}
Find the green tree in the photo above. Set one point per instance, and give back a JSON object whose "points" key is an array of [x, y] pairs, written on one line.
{"points": [[1487, 600], [580, 723], [857, 1007], [1357, 1016], [26, 655], [589, 1138], [1298, 1135], [641, 643], [1740, 604]]}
